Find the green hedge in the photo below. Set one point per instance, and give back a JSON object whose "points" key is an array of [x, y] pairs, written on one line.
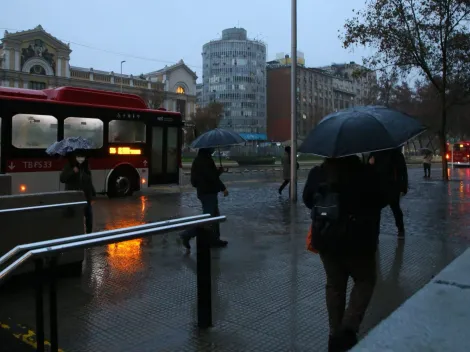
{"points": [[254, 160]]}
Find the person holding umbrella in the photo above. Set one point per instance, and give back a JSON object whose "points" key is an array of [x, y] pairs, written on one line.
{"points": [[346, 199], [427, 161], [205, 177], [76, 174]]}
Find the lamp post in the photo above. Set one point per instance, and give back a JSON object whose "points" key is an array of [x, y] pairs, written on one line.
{"points": [[293, 124], [121, 73]]}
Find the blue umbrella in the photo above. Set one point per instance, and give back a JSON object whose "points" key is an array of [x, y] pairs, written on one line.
{"points": [[69, 145], [217, 138], [360, 130]]}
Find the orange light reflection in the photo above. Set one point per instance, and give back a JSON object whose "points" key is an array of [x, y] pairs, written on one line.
{"points": [[126, 256]]}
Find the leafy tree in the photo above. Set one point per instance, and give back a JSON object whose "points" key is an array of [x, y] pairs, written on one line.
{"points": [[207, 118], [427, 36]]}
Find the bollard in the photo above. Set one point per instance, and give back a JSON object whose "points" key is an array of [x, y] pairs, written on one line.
{"points": [[53, 304], [204, 291], [39, 305]]}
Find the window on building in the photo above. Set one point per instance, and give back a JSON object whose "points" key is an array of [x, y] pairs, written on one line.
{"points": [[121, 131], [31, 131], [37, 70], [37, 85], [180, 90], [88, 128]]}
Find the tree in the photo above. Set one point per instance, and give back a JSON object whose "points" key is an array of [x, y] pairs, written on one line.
{"points": [[153, 97], [207, 118], [427, 36]]}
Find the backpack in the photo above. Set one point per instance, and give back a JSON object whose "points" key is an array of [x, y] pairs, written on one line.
{"points": [[328, 224]]}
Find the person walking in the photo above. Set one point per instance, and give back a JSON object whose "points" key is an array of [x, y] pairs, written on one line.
{"points": [[393, 175], [286, 168], [427, 160], [345, 201], [76, 176], [205, 177]]}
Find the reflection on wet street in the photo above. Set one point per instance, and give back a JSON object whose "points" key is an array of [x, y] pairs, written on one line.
{"points": [[268, 291]]}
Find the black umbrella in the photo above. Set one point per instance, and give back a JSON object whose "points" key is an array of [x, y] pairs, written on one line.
{"points": [[426, 151], [360, 130], [217, 138]]}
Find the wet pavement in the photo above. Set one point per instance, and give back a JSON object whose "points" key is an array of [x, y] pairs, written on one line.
{"points": [[268, 291]]}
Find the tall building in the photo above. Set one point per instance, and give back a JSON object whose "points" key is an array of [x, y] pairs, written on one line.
{"points": [[234, 74], [35, 59], [363, 81], [318, 94]]}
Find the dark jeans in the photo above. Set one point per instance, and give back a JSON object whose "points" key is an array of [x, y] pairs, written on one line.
{"points": [[338, 269], [88, 213], [284, 184], [427, 170], [210, 205], [397, 212]]}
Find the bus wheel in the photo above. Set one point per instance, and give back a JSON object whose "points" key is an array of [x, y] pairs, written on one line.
{"points": [[122, 182]]}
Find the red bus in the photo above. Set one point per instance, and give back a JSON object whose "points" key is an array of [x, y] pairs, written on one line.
{"points": [[134, 146], [458, 154]]}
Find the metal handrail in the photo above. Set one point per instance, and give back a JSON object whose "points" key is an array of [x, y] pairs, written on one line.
{"points": [[39, 207], [103, 240], [30, 246]]}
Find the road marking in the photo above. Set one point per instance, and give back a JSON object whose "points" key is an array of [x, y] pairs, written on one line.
{"points": [[24, 334]]}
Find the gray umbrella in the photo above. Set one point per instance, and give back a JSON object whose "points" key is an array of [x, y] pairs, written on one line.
{"points": [[217, 138], [359, 130]]}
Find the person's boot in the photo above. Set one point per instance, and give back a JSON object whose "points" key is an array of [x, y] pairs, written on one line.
{"points": [[401, 234], [185, 241], [349, 339], [219, 244], [334, 343]]}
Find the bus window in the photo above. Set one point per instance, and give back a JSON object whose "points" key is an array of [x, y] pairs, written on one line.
{"points": [[33, 131], [457, 147], [88, 128], [126, 132]]}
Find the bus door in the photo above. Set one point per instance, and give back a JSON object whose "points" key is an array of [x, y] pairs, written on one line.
{"points": [[164, 142]]}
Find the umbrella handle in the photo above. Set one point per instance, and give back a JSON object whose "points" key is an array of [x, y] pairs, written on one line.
{"points": [[220, 158]]}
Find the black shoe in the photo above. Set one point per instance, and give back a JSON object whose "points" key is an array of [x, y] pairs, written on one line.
{"points": [[280, 191], [349, 339], [219, 244], [185, 241]]}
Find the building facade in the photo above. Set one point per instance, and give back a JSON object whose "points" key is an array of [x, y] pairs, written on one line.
{"points": [[35, 59], [318, 94], [234, 74], [356, 77]]}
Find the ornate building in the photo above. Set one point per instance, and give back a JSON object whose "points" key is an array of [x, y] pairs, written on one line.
{"points": [[35, 59]]}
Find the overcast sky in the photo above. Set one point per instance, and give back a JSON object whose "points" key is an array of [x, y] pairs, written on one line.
{"points": [[149, 34]]}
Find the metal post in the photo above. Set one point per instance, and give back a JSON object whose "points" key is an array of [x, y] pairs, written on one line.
{"points": [[121, 73], [204, 290], [452, 156], [39, 305], [53, 304], [293, 124]]}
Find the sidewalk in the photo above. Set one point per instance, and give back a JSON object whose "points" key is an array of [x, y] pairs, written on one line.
{"points": [[268, 291]]}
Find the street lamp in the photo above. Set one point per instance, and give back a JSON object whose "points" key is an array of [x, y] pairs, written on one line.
{"points": [[293, 102], [121, 73]]}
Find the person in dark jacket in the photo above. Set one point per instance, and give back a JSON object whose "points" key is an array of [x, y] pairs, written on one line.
{"points": [[393, 175], [76, 176], [348, 250], [205, 177]]}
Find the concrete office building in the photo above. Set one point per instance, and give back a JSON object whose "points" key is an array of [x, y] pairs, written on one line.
{"points": [[234, 74]]}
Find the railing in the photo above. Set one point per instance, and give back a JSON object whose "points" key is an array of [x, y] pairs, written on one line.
{"points": [[51, 249]]}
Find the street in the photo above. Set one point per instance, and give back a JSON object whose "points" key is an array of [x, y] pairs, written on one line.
{"points": [[268, 291]]}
